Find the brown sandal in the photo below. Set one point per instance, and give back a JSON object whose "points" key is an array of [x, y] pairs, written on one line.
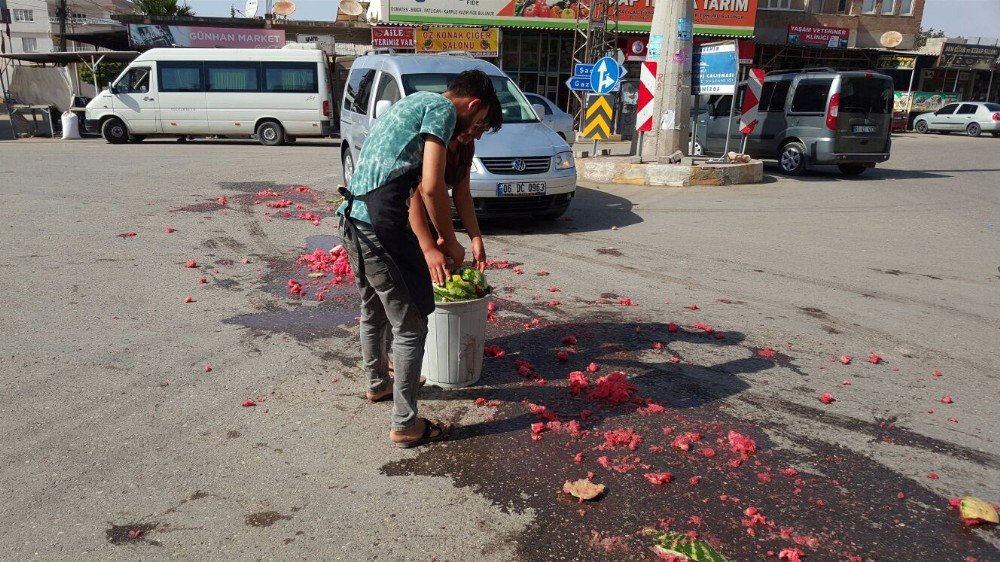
{"points": [[428, 436]]}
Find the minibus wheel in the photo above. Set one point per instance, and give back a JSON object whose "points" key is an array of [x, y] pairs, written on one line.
{"points": [[114, 131], [271, 133]]}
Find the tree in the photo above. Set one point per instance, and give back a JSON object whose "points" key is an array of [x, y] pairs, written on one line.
{"points": [[163, 8], [925, 34], [106, 72]]}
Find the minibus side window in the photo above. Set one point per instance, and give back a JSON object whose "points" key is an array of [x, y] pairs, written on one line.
{"points": [[177, 76], [290, 77]]}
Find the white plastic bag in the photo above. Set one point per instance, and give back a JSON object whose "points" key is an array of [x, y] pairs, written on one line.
{"points": [[70, 125]]}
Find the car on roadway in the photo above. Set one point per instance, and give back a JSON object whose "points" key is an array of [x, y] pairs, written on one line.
{"points": [[523, 170], [275, 95], [810, 116], [557, 119], [972, 117]]}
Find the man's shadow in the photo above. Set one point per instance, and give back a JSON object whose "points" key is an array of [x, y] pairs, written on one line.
{"points": [[612, 346]]}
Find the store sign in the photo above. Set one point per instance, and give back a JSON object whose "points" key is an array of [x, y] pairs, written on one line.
{"points": [[393, 37], [924, 102], [715, 69], [896, 62], [808, 36], [969, 57], [711, 17], [746, 52], [477, 41], [144, 35]]}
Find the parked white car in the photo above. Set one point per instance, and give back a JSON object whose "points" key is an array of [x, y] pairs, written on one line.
{"points": [[557, 119], [523, 170], [974, 118]]}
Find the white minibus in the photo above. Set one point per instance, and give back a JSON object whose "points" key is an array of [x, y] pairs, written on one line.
{"points": [[274, 95]]}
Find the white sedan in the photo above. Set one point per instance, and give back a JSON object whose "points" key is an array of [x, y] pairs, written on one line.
{"points": [[973, 118], [557, 119]]}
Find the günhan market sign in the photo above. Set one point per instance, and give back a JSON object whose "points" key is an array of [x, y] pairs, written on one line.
{"points": [[711, 17], [143, 35]]}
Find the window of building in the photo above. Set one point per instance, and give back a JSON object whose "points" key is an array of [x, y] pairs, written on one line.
{"points": [[843, 6], [906, 7], [290, 77], [888, 7], [232, 76], [359, 90], [868, 7], [23, 15], [180, 76], [29, 44], [797, 5], [811, 95]]}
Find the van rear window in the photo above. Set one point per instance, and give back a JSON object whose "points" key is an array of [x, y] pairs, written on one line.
{"points": [[866, 95]]}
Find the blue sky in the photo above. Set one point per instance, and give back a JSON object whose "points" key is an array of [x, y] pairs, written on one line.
{"points": [[969, 18]]}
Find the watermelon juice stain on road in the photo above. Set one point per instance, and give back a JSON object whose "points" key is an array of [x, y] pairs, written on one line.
{"points": [[828, 501]]}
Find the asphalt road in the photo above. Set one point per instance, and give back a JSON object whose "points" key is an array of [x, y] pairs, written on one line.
{"points": [[118, 443]]}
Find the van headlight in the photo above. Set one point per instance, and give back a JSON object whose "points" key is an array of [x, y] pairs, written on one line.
{"points": [[564, 161], [476, 166]]}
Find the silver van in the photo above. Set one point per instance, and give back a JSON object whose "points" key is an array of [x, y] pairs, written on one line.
{"points": [[525, 169], [814, 116]]}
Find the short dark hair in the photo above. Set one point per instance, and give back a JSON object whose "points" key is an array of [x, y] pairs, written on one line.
{"points": [[477, 84]]}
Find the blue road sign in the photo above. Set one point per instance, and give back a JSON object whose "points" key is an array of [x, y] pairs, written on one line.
{"points": [[578, 83], [582, 70], [605, 76], [715, 68]]}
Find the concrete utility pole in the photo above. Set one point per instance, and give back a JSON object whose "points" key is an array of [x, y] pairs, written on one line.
{"points": [[672, 21], [62, 25]]}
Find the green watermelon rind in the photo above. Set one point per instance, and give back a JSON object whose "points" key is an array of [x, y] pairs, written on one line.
{"points": [[679, 544]]}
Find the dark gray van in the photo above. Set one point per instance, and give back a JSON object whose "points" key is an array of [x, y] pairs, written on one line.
{"points": [[813, 116]]}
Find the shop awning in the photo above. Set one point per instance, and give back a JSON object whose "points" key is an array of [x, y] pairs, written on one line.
{"points": [[71, 57], [115, 40]]}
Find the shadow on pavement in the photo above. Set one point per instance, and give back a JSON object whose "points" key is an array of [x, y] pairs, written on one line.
{"points": [[592, 209], [613, 346]]}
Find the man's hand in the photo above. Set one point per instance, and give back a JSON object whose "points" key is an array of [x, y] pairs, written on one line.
{"points": [[437, 264], [455, 253], [479, 253]]}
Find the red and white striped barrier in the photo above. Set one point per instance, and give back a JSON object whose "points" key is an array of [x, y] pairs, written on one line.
{"points": [[647, 85], [751, 101]]}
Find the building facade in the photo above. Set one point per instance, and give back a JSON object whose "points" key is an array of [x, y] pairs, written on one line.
{"points": [[29, 33]]}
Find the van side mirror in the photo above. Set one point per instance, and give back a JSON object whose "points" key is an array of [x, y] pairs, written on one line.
{"points": [[381, 106], [539, 110]]}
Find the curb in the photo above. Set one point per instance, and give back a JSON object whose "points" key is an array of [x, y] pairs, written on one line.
{"points": [[622, 170]]}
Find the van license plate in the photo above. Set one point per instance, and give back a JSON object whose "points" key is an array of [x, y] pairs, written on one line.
{"points": [[863, 128], [520, 189]]}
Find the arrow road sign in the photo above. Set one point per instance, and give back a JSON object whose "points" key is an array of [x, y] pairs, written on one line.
{"points": [[578, 83], [605, 76], [598, 118]]}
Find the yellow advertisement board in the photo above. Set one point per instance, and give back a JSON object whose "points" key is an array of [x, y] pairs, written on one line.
{"points": [[477, 41]]}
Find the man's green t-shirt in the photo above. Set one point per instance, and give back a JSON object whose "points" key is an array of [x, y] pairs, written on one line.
{"points": [[395, 145]]}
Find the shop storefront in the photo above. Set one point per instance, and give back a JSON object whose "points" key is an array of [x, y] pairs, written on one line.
{"points": [[537, 39], [969, 71]]}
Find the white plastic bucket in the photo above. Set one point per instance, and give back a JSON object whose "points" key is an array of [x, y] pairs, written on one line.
{"points": [[456, 336]]}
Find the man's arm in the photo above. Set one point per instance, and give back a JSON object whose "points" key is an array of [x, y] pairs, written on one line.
{"points": [[434, 194], [436, 262], [462, 195]]}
